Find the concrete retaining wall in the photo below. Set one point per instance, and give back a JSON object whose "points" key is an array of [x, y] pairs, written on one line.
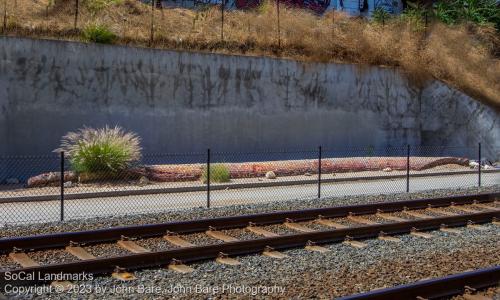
{"points": [[178, 101]]}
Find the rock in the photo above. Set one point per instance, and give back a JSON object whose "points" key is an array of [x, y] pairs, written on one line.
{"points": [[143, 180], [387, 169], [68, 184], [307, 174], [51, 178], [488, 167], [473, 164], [12, 180], [270, 175]]}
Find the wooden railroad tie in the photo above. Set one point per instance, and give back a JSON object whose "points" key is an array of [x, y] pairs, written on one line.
{"points": [[79, 252], [481, 205], [132, 246], [270, 252], [416, 214], [420, 234], [330, 223], [176, 240], [447, 229], [27, 262], [260, 231], [311, 246], [122, 275], [384, 237], [441, 211], [219, 235], [361, 220], [224, 259], [297, 227], [463, 208], [471, 224], [356, 244], [385, 216], [468, 295], [178, 266]]}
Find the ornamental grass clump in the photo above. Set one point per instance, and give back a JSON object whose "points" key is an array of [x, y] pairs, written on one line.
{"points": [[105, 151], [218, 173]]}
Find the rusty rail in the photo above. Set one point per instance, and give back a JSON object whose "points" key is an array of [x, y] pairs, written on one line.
{"points": [[185, 227], [437, 288], [200, 253]]}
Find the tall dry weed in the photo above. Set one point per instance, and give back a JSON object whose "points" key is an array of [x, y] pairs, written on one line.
{"points": [[465, 56]]}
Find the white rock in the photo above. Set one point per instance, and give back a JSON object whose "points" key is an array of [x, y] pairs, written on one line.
{"points": [[270, 175], [12, 180], [68, 184], [488, 167], [473, 164], [143, 180], [387, 169], [307, 174], [52, 176]]}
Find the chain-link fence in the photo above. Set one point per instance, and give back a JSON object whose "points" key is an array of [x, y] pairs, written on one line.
{"points": [[54, 187]]}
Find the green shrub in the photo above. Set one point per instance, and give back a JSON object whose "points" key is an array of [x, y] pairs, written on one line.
{"points": [[380, 15], [218, 173], [415, 16], [98, 34], [102, 151], [476, 11]]}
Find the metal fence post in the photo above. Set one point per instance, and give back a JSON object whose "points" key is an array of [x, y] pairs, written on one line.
{"points": [[408, 168], [479, 167], [319, 171], [4, 26], [279, 29], [151, 34], [77, 7], [62, 185], [208, 178], [222, 20]]}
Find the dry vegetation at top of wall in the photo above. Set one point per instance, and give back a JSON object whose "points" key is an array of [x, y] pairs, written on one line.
{"points": [[465, 56]]}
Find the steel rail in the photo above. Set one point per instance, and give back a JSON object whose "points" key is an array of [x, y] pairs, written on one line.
{"points": [[58, 240], [245, 247], [435, 288]]}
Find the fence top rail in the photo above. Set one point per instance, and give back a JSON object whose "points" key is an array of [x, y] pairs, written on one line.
{"points": [[214, 152]]}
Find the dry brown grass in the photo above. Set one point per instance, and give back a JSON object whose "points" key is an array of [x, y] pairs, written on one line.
{"points": [[464, 56]]}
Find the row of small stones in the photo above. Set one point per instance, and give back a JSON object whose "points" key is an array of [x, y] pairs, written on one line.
{"points": [[234, 210], [159, 244], [305, 274]]}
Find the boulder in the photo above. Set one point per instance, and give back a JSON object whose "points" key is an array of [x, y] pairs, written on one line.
{"points": [[473, 164], [68, 184], [270, 175], [143, 181], [387, 169]]}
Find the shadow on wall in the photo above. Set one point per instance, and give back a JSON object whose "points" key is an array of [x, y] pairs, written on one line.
{"points": [[182, 102]]}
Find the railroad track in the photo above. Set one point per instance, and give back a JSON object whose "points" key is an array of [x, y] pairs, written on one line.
{"points": [[347, 224], [466, 284]]}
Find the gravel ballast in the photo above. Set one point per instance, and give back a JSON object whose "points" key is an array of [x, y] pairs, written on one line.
{"points": [[303, 275], [198, 213]]}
